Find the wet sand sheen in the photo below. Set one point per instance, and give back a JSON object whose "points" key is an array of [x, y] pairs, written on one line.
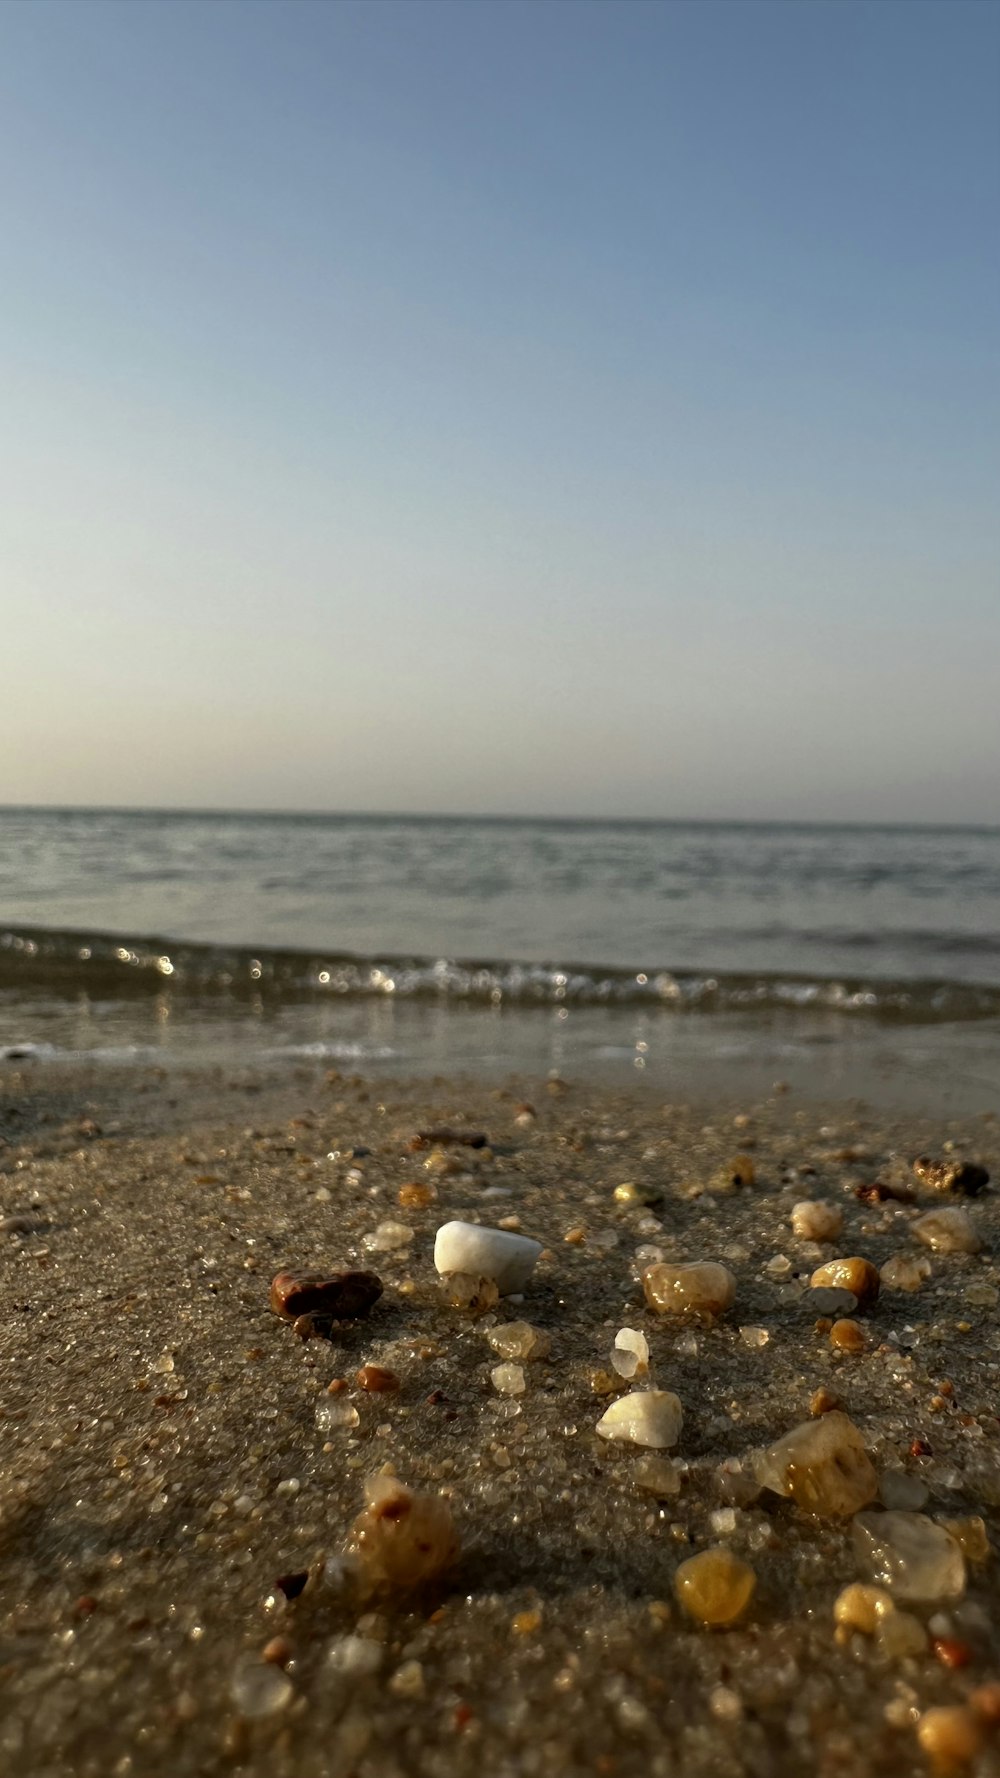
{"points": [[164, 1462]]}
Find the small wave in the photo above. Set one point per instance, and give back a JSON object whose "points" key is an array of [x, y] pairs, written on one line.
{"points": [[102, 965]]}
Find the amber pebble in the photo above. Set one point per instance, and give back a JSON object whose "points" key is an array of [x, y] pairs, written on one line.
{"points": [[342, 1295], [278, 1651], [526, 1623], [705, 1288], [847, 1336], [823, 1401], [376, 1380], [857, 1275], [416, 1195], [950, 1735], [403, 1539], [822, 1465], [740, 1170], [860, 1607], [714, 1586]]}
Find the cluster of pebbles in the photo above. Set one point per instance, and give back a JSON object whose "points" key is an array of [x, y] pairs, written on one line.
{"points": [[632, 1439]]}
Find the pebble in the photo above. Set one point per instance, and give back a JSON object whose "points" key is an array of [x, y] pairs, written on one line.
{"points": [[900, 1636], [403, 1539], [657, 1475], [857, 1275], [965, 1177], [508, 1379], [950, 1734], [260, 1689], [416, 1195], [388, 1237], [910, 1554], [518, 1339], [354, 1657], [334, 1415], [376, 1380], [847, 1336], [903, 1272], [705, 1287], [822, 1465], [901, 1492], [467, 1290], [344, 1296], [860, 1607], [630, 1353], [715, 1586], [650, 1417], [813, 1219], [489, 1253], [631, 1192], [828, 1302], [948, 1231], [408, 1680]]}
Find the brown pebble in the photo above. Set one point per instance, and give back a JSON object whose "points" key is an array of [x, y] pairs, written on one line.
{"points": [[344, 1296], [951, 1652], [823, 1401], [985, 1701], [376, 1380], [86, 1605], [278, 1651], [847, 1336], [337, 1385]]}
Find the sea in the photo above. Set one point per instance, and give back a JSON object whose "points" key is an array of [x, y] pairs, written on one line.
{"points": [[852, 959]]}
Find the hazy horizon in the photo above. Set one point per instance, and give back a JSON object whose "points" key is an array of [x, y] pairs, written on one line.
{"points": [[503, 409]]}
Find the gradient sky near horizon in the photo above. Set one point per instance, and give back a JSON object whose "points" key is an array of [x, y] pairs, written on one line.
{"points": [[539, 407]]}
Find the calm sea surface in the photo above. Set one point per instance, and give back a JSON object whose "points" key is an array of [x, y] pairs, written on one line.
{"points": [[319, 931]]}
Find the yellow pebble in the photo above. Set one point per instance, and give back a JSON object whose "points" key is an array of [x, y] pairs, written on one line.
{"points": [[950, 1735], [526, 1623], [714, 1586], [575, 1236], [859, 1607]]}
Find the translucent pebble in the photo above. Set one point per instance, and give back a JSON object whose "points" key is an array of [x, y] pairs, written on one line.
{"points": [[403, 1539], [387, 1237], [715, 1586], [518, 1339], [910, 1554], [657, 1475], [755, 1336], [901, 1492], [335, 1415], [508, 1379], [813, 1219], [822, 1465], [630, 1353], [260, 1689], [469, 1290], [857, 1275], [903, 1272], [355, 1657], [948, 1230], [778, 1266], [705, 1288], [900, 1636], [651, 1417]]}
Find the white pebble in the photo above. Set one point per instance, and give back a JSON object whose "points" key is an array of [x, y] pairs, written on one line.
{"points": [[356, 1657], [813, 1219], [259, 1689], [508, 1379], [630, 1353], [387, 1237], [487, 1253], [650, 1417]]}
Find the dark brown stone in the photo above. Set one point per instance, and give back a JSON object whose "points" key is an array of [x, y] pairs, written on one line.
{"points": [[967, 1178], [445, 1137], [339, 1296]]}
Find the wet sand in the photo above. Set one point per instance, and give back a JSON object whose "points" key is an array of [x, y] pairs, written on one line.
{"points": [[163, 1466]]}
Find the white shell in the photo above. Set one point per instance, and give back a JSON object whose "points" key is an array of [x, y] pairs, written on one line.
{"points": [[487, 1253], [650, 1417]]}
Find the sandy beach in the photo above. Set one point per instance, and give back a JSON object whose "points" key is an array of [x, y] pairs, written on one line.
{"points": [[173, 1449]]}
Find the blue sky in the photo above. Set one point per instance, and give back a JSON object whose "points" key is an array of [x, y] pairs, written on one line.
{"points": [[547, 407]]}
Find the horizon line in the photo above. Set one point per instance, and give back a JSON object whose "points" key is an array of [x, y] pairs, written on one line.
{"points": [[509, 818]]}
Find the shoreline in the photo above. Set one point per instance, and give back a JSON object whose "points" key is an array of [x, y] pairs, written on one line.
{"points": [[164, 1462]]}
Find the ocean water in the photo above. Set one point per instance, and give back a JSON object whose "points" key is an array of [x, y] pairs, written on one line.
{"points": [[434, 940]]}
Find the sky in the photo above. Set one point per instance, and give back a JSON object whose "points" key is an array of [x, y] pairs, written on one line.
{"points": [[545, 407]]}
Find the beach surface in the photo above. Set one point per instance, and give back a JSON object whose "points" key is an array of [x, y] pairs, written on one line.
{"points": [[175, 1466]]}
